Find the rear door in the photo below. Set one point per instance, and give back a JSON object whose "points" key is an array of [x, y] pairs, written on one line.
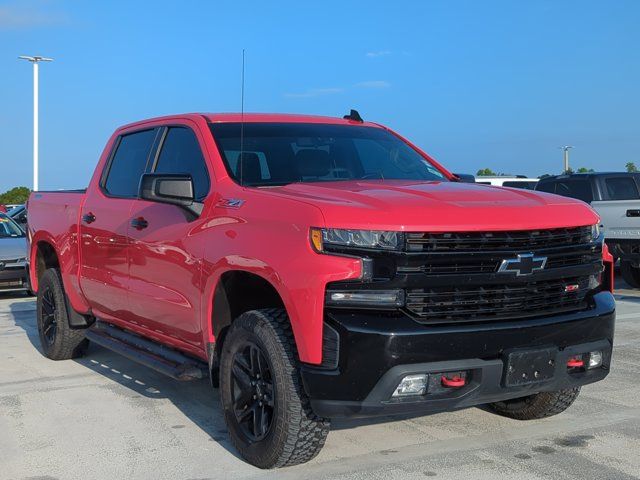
{"points": [[166, 255], [104, 225], [620, 206]]}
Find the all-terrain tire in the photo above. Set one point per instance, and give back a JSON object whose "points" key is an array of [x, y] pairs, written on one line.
{"points": [[58, 340], [295, 434], [630, 274], [539, 405]]}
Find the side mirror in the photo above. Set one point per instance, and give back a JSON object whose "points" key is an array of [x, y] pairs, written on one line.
{"points": [[465, 178], [174, 189]]}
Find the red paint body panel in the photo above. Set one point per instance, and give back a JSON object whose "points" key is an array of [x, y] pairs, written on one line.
{"points": [[159, 282]]}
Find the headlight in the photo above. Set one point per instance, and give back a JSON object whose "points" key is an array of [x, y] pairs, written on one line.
{"points": [[326, 238], [595, 232]]}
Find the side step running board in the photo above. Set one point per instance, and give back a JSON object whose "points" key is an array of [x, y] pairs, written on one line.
{"points": [[146, 352]]}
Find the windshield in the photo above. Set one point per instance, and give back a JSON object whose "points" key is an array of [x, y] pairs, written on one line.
{"points": [[283, 153], [9, 228]]}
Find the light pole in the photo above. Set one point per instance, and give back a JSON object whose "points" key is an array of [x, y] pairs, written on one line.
{"points": [[565, 157], [35, 61]]}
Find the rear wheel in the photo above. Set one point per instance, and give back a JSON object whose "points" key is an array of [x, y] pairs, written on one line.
{"points": [[267, 412], [630, 274], [539, 405], [59, 342]]}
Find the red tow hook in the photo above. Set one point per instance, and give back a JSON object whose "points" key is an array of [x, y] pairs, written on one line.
{"points": [[454, 382], [575, 362]]}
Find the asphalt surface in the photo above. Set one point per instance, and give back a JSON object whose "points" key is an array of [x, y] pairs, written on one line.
{"points": [[105, 417]]}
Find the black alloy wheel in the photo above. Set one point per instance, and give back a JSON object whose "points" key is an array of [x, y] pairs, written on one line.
{"points": [[266, 409], [252, 392], [48, 316], [58, 340]]}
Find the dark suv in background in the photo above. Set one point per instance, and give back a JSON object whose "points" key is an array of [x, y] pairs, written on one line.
{"points": [[616, 198]]}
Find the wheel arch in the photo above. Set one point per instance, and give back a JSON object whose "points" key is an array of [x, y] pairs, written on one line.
{"points": [[236, 292], [45, 257]]}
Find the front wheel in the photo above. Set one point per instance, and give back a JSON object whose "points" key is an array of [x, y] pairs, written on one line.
{"points": [[58, 340], [539, 405], [266, 410], [630, 274]]}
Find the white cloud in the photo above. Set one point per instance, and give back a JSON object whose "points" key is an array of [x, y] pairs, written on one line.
{"points": [[20, 15], [379, 53], [314, 92], [374, 84]]}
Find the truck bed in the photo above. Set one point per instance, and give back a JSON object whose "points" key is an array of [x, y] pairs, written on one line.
{"points": [[55, 216]]}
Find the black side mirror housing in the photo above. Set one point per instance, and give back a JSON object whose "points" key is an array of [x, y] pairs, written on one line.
{"points": [[167, 188], [465, 178], [171, 188]]}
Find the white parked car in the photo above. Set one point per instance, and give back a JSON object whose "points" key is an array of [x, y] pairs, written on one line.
{"points": [[505, 181]]}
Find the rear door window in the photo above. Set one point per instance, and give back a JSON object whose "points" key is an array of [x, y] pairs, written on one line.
{"points": [[523, 185], [128, 163], [575, 188], [181, 153], [621, 188]]}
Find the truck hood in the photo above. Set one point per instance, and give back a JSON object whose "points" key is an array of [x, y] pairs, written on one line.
{"points": [[438, 206]]}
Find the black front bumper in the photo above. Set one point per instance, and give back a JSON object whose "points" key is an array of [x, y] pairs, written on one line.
{"points": [[377, 350], [14, 278]]}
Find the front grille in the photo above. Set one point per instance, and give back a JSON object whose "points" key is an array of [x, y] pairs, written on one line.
{"points": [[505, 241], [497, 302], [455, 264]]}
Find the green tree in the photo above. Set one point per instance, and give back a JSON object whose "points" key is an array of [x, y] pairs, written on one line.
{"points": [[485, 172], [585, 170], [15, 195], [631, 167]]}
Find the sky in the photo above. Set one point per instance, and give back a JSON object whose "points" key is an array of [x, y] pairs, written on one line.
{"points": [[477, 84]]}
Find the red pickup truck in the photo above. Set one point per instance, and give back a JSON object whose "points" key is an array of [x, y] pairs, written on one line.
{"points": [[317, 268]]}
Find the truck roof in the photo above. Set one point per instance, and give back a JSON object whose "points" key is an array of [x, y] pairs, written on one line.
{"points": [[256, 118], [585, 175]]}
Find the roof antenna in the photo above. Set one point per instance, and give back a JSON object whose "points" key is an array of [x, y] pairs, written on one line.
{"points": [[353, 116], [240, 158]]}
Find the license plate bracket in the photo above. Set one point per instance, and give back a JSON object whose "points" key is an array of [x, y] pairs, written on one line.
{"points": [[524, 367]]}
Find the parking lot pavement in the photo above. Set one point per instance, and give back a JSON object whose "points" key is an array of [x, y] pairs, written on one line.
{"points": [[104, 417]]}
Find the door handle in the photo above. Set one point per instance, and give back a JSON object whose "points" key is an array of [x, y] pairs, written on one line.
{"points": [[88, 218], [139, 223], [633, 213]]}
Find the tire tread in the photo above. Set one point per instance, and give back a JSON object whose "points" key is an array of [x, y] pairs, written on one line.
{"points": [[630, 274], [537, 406], [305, 433]]}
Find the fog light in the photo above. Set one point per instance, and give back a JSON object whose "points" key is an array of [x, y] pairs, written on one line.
{"points": [[595, 359], [366, 298], [412, 385]]}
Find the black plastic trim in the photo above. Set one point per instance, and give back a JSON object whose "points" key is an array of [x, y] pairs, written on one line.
{"points": [[373, 343], [147, 352]]}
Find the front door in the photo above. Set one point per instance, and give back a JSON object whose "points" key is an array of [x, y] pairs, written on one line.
{"points": [[165, 252]]}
